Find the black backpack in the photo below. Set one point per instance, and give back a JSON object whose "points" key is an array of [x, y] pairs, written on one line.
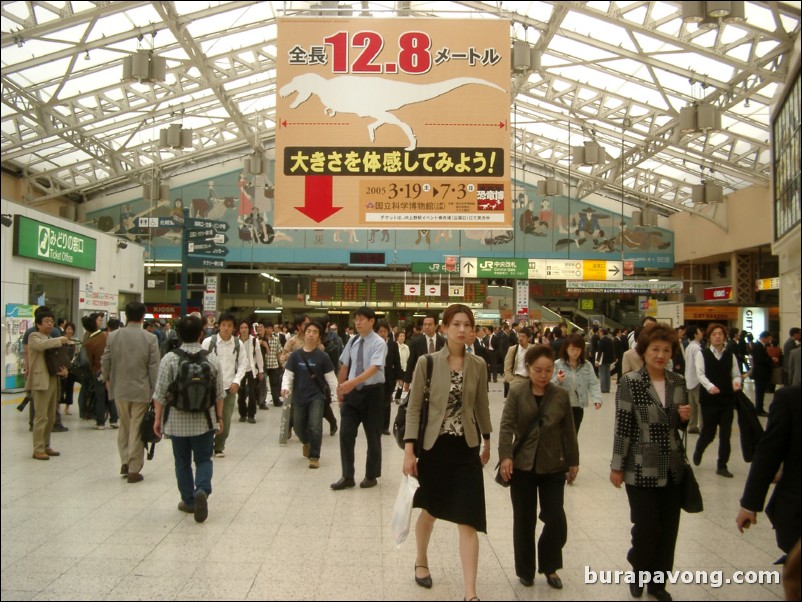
{"points": [[193, 389]]}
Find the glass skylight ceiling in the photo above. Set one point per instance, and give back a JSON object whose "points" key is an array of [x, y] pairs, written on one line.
{"points": [[68, 118]]}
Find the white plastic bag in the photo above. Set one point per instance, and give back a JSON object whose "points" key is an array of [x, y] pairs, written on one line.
{"points": [[402, 511]]}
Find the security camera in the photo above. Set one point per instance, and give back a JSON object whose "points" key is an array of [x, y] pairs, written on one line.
{"points": [[121, 244], [7, 220]]}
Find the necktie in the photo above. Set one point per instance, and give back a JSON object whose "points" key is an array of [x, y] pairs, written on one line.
{"points": [[360, 363], [469, 349], [431, 345]]}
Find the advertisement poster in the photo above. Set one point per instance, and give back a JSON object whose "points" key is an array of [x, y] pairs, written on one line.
{"points": [[18, 319], [393, 123]]}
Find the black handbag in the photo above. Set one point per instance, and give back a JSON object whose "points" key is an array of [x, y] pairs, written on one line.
{"points": [[691, 494], [400, 423], [57, 358], [498, 478], [146, 432]]}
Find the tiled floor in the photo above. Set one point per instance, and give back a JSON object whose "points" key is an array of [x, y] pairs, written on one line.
{"points": [[73, 529]]}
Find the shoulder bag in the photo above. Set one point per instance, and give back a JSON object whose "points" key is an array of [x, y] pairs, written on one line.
{"points": [[691, 494], [400, 424]]}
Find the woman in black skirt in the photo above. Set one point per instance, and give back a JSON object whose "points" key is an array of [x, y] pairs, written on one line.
{"points": [[450, 465], [538, 451]]}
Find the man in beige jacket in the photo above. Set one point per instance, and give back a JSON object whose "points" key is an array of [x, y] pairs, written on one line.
{"points": [[130, 365], [44, 387]]}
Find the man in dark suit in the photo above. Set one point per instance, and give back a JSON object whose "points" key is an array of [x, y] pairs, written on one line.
{"points": [[761, 370], [392, 372], [780, 445], [490, 345], [473, 344], [428, 341]]}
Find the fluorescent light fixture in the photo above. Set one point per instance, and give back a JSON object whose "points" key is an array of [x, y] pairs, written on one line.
{"points": [[654, 280], [268, 311], [167, 264], [269, 277]]}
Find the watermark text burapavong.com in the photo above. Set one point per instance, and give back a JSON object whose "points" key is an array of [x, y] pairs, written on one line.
{"points": [[713, 578]]}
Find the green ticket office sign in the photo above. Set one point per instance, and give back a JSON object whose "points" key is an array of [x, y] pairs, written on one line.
{"points": [[38, 240]]}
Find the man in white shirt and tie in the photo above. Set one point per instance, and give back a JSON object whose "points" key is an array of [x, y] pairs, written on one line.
{"points": [[361, 394]]}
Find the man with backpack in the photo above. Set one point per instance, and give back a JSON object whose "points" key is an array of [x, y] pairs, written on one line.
{"points": [[247, 397], [233, 365], [130, 367], [189, 410]]}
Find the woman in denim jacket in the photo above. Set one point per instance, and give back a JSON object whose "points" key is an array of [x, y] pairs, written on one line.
{"points": [[573, 373]]}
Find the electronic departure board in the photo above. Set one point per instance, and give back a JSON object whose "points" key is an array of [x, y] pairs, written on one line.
{"points": [[331, 290], [386, 292]]}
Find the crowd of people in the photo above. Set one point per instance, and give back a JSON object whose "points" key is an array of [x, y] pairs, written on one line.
{"points": [[669, 381]]}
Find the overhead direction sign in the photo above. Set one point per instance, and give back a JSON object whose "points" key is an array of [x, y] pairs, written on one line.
{"points": [[206, 263], [421, 267], [206, 248], [540, 269], [216, 225]]}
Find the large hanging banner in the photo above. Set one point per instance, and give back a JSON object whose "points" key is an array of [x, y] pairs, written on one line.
{"points": [[393, 123]]}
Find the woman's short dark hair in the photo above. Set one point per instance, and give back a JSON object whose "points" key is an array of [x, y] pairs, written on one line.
{"points": [[453, 310], [658, 331], [535, 352], [70, 325], [575, 340]]}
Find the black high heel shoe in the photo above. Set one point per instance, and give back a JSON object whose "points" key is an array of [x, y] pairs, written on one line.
{"points": [[423, 581]]}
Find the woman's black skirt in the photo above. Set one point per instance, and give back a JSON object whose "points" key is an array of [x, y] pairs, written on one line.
{"points": [[451, 483]]}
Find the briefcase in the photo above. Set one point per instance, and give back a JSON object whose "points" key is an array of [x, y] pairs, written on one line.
{"points": [[57, 358]]}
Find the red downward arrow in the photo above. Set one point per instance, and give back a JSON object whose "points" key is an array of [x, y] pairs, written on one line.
{"points": [[318, 201]]}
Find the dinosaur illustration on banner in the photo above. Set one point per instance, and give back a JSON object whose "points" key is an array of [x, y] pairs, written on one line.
{"points": [[372, 96]]}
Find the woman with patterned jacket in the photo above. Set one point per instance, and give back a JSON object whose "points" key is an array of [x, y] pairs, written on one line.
{"points": [[651, 408]]}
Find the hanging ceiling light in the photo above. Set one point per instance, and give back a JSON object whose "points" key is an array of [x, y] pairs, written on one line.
{"points": [[551, 187], [144, 67], [155, 190], [699, 117], [706, 14], [175, 137], [591, 153], [256, 164], [706, 193]]}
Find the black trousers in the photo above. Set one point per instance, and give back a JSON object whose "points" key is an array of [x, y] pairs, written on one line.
{"points": [[654, 512], [716, 416], [388, 405], [579, 414], [761, 386], [247, 394], [366, 407], [524, 491], [493, 367], [328, 413], [274, 376]]}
